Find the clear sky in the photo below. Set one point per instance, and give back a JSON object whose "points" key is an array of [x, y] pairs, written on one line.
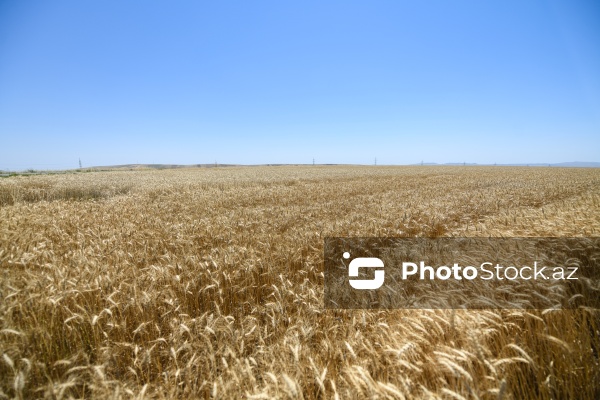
{"points": [[252, 82]]}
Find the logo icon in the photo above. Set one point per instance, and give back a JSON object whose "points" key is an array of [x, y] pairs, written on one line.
{"points": [[365, 262]]}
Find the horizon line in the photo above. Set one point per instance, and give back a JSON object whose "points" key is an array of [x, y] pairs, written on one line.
{"points": [[567, 164]]}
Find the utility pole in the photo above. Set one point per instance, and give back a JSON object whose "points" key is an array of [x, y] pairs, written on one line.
{"points": [[313, 161], [375, 160], [80, 163]]}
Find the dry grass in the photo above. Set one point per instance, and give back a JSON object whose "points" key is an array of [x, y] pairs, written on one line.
{"points": [[207, 283]]}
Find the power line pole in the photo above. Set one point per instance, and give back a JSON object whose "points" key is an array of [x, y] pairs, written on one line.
{"points": [[80, 163]]}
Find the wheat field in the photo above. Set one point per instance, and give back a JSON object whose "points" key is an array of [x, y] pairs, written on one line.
{"points": [[208, 283]]}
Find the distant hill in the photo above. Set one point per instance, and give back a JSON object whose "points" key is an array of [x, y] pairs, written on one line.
{"points": [[579, 164], [573, 164], [161, 166]]}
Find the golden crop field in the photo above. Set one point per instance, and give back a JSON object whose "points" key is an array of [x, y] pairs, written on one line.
{"points": [[208, 283]]}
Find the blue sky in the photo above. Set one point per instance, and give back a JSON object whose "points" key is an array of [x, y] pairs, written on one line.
{"points": [[252, 82]]}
